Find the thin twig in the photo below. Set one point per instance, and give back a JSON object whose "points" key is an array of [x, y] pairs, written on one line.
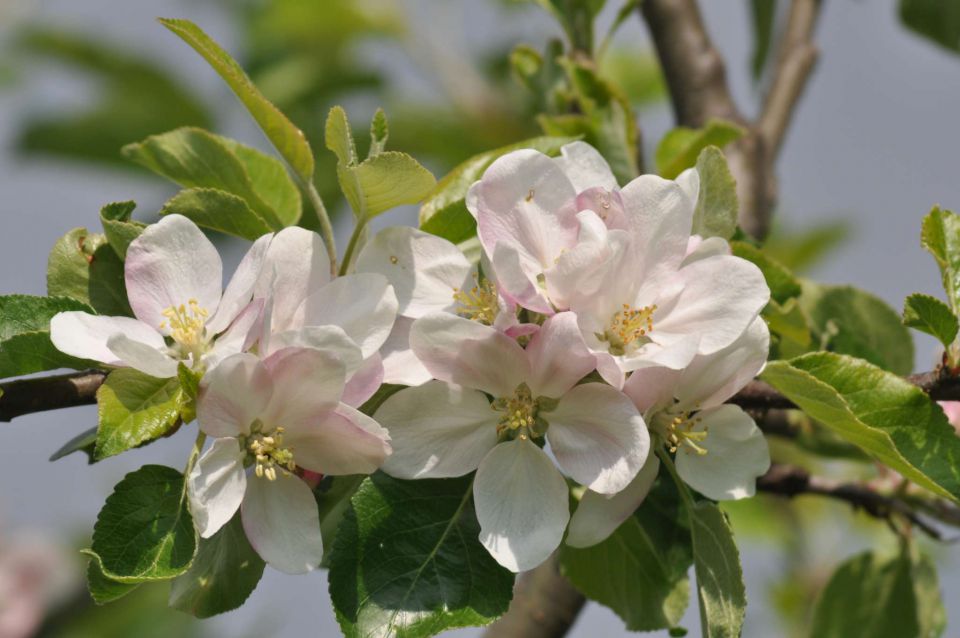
{"points": [[26, 396]]}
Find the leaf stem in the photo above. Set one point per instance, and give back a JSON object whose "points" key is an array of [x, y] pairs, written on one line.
{"points": [[352, 246], [326, 228], [672, 470]]}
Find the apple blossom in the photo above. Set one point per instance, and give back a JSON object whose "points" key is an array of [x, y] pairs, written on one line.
{"points": [[449, 428], [719, 449], [270, 417], [173, 279]]}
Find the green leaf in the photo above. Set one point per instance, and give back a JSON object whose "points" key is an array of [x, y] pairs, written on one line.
{"points": [[762, 14], [783, 285], [886, 416], [790, 328], [25, 345], [680, 148], [189, 380], [333, 495], [576, 17], [144, 531], [134, 408], [444, 212], [800, 249], [119, 229], [287, 138], [102, 589], [84, 267], [940, 236], [640, 572], [339, 137], [852, 321], [27, 313], [83, 442], [384, 181], [406, 561], [880, 597], [379, 132], [929, 314], [717, 205], [716, 560], [224, 573], [936, 20], [217, 210], [195, 158]]}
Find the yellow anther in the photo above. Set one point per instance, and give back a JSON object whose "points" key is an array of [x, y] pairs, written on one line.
{"points": [[269, 453], [479, 303], [520, 412], [394, 260], [187, 323], [679, 434], [628, 328]]}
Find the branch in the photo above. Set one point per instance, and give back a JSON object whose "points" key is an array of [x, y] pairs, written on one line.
{"points": [[792, 481], [26, 396]]}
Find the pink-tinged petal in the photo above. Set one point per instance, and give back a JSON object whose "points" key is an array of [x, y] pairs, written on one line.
{"points": [[600, 515], [400, 365], [585, 167], [610, 370], [233, 395], [338, 443], [558, 356], [282, 523], [216, 486], [582, 270], [736, 455], [307, 385], [364, 383], [517, 279], [239, 337], [689, 182], [598, 437], [296, 266], [83, 335], [673, 352], [329, 339], [607, 205], [521, 330], [239, 291], [169, 264], [464, 352], [437, 430], [660, 215], [423, 269], [721, 297], [521, 503], [524, 200], [363, 304], [699, 248], [652, 388], [140, 356], [710, 380]]}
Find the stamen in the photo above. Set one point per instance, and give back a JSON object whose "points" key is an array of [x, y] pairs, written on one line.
{"points": [[269, 454], [479, 303], [629, 328], [520, 413], [680, 434], [187, 323]]}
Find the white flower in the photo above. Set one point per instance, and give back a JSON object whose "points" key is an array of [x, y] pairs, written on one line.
{"points": [[270, 417], [174, 283], [719, 450], [430, 274], [449, 428]]}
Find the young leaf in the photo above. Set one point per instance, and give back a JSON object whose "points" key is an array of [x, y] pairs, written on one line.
{"points": [[887, 417], [762, 14], [940, 236], [716, 560], [379, 131], [25, 345], [929, 314], [102, 589], [717, 205], [144, 531], [339, 137], [119, 229], [83, 442], [640, 572], [783, 284], [84, 267], [217, 210], [384, 181], [134, 408], [224, 573], [680, 148], [287, 138], [407, 561]]}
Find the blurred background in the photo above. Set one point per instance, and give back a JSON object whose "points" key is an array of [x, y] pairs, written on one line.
{"points": [[873, 146]]}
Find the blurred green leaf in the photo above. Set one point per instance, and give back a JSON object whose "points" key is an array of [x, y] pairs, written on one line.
{"points": [[119, 229], [576, 17], [716, 561], [936, 20], [790, 329], [762, 15], [783, 284], [717, 204], [637, 73], [680, 148], [133, 408], [82, 266], [287, 138], [83, 442], [929, 314], [799, 250], [102, 589]]}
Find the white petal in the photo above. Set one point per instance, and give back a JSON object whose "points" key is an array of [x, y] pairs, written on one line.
{"points": [[296, 266], [423, 269], [598, 437], [464, 352], [522, 504], [437, 430], [169, 264], [364, 383], [341, 442], [517, 276], [233, 395], [239, 291], [585, 167], [364, 305], [216, 486], [329, 339], [689, 181], [83, 335], [282, 523], [660, 215], [307, 385], [400, 365], [652, 387], [600, 515], [580, 271], [736, 455], [145, 358], [239, 337], [699, 248], [558, 356]]}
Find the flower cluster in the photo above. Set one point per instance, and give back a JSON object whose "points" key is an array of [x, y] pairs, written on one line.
{"points": [[595, 330]]}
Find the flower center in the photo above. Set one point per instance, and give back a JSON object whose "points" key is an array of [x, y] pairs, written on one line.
{"points": [[187, 323], [677, 431], [267, 452], [479, 303], [629, 328], [520, 414]]}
